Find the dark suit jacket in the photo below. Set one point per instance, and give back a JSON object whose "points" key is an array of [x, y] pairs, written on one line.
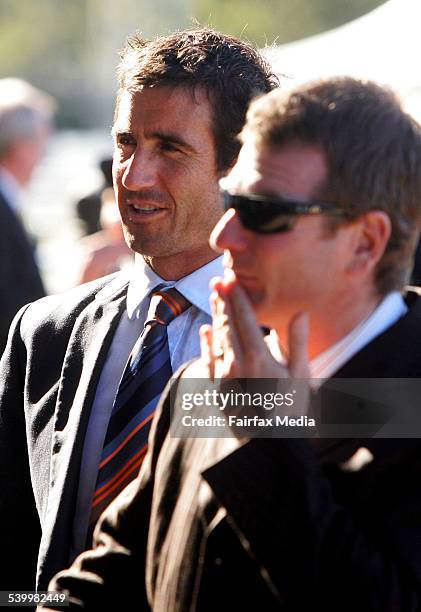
{"points": [[268, 524], [20, 281], [48, 375], [416, 272]]}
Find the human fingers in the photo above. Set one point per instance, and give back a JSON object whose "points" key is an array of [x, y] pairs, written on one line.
{"points": [[244, 319], [226, 346], [206, 353], [257, 360], [298, 332]]}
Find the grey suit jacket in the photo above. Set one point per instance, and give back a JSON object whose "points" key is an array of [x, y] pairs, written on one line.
{"points": [[48, 376], [20, 281]]}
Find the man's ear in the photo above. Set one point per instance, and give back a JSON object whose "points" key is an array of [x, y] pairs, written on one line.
{"points": [[372, 233]]}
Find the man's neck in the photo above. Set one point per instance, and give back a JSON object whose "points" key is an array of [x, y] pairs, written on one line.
{"points": [[391, 308], [179, 265], [333, 322], [325, 333]]}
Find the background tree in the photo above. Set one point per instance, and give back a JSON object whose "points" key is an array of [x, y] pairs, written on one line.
{"points": [[69, 48]]}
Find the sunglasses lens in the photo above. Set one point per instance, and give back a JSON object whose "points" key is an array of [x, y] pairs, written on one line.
{"points": [[265, 218], [265, 215], [277, 224]]}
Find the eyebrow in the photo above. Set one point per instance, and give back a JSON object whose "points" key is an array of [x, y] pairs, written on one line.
{"points": [[173, 138], [163, 136]]}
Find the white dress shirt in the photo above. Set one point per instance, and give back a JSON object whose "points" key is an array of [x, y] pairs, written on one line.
{"points": [[183, 341]]}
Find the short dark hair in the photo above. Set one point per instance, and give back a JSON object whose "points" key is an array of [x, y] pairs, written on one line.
{"points": [[230, 70], [372, 149]]}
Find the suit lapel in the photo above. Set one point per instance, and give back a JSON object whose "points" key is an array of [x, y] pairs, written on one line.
{"points": [[86, 352]]}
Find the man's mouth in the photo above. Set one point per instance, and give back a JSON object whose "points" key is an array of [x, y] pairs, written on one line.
{"points": [[145, 209], [246, 281], [252, 287], [142, 211], [241, 273]]}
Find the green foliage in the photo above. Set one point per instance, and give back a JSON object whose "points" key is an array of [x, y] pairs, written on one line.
{"points": [[68, 47], [268, 21], [37, 36]]}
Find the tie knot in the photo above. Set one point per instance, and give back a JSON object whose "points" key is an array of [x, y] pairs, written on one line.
{"points": [[165, 305]]}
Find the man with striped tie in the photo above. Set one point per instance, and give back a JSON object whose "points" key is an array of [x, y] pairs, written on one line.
{"points": [[83, 371]]}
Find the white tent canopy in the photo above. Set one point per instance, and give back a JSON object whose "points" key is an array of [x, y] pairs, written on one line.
{"points": [[384, 45]]}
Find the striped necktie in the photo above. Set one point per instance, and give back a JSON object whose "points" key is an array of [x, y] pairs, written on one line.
{"points": [[146, 374]]}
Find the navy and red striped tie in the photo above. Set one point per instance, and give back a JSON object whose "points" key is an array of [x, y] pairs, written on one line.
{"points": [[147, 372]]}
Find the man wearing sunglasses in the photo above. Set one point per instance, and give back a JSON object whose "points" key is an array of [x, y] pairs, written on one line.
{"points": [[323, 209]]}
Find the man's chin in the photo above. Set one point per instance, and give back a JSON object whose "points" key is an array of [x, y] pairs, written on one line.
{"points": [[256, 297], [144, 245], [265, 317]]}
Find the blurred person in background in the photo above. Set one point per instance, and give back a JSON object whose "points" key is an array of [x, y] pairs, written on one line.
{"points": [[25, 124], [83, 371], [105, 251], [88, 208]]}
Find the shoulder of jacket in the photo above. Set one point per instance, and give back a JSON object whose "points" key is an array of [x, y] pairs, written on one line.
{"points": [[63, 308]]}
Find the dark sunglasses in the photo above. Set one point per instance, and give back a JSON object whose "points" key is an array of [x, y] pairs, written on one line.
{"points": [[269, 215]]}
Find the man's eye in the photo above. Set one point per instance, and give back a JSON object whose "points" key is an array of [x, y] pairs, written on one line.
{"points": [[125, 140], [168, 146]]}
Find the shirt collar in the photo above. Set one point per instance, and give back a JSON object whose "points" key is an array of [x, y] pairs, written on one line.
{"points": [[194, 286], [11, 190], [390, 309]]}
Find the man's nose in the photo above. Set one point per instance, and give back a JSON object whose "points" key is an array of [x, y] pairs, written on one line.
{"points": [[140, 171], [229, 233]]}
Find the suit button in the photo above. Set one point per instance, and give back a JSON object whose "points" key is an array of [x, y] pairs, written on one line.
{"points": [[218, 561]]}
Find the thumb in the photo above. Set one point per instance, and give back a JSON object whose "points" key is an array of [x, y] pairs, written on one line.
{"points": [[298, 332], [205, 334]]}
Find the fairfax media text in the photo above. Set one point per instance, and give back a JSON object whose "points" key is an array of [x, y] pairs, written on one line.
{"points": [[248, 421]]}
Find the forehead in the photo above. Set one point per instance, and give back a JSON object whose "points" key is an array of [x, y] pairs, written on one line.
{"points": [[293, 169], [178, 108]]}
